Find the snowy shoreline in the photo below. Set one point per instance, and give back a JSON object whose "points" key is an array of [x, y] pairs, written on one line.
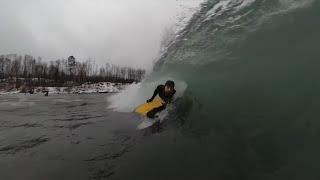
{"points": [[86, 88]]}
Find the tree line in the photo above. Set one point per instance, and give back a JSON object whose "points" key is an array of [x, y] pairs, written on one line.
{"points": [[59, 72]]}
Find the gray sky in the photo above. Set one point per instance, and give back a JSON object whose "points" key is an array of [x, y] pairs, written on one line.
{"points": [[125, 32]]}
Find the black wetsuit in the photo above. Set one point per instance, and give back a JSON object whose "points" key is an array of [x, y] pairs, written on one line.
{"points": [[166, 98]]}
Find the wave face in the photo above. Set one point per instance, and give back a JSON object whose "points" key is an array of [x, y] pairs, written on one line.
{"points": [[253, 91]]}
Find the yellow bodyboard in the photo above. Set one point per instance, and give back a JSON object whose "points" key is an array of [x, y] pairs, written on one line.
{"points": [[145, 108]]}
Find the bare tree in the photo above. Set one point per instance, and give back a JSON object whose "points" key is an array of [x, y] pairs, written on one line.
{"points": [[56, 73]]}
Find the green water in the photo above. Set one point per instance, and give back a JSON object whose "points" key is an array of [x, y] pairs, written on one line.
{"points": [[251, 110]]}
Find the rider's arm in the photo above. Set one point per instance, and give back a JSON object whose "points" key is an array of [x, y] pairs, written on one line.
{"points": [[155, 93]]}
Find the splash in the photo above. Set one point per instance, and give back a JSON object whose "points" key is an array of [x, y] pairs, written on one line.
{"points": [[137, 94]]}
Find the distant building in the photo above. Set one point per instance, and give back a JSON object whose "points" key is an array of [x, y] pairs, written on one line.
{"points": [[71, 64]]}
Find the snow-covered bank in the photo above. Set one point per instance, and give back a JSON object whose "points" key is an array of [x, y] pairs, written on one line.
{"points": [[9, 92], [102, 87]]}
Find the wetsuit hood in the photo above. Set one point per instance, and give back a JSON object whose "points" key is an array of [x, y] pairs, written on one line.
{"points": [[170, 83]]}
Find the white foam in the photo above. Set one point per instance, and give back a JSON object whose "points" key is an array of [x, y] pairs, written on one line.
{"points": [[220, 5], [147, 122]]}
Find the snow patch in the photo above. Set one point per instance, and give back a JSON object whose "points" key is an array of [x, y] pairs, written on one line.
{"points": [[102, 87]]}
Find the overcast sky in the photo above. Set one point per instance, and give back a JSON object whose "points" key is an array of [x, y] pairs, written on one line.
{"points": [[125, 32]]}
